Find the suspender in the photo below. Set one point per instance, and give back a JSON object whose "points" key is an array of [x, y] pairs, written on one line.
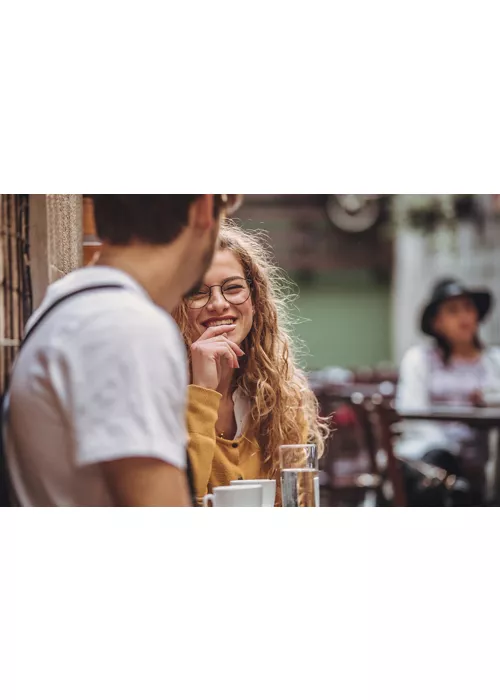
{"points": [[65, 298], [4, 472]]}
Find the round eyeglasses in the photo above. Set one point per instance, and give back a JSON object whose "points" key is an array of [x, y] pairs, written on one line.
{"points": [[235, 291], [228, 203]]}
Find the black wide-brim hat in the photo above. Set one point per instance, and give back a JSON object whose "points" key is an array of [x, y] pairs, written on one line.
{"points": [[451, 289]]}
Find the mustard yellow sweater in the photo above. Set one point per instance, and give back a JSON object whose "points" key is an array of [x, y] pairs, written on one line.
{"points": [[216, 461]]}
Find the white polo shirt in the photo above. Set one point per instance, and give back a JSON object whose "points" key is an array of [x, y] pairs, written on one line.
{"points": [[103, 377]]}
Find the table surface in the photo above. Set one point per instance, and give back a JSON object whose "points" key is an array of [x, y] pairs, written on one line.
{"points": [[480, 417], [386, 389]]}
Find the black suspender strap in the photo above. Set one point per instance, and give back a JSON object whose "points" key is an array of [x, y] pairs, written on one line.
{"points": [[53, 306]]}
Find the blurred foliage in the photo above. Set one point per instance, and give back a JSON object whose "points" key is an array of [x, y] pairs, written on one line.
{"points": [[430, 213]]}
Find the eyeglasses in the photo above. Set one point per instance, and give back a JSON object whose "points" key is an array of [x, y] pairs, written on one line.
{"points": [[235, 291], [228, 203]]}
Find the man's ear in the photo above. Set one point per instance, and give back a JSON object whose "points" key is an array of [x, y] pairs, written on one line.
{"points": [[201, 213]]}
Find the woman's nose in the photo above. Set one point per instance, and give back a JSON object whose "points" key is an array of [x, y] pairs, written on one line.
{"points": [[217, 301]]}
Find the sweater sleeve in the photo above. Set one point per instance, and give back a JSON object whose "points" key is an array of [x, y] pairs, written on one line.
{"points": [[413, 395], [203, 409], [413, 392]]}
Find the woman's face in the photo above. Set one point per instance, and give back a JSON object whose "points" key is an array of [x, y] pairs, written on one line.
{"points": [[457, 320], [223, 309]]}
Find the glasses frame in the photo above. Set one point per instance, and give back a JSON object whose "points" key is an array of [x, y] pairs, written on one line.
{"points": [[227, 204], [245, 279]]}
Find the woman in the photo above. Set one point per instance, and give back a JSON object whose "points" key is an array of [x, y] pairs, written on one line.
{"points": [[455, 370], [247, 395]]}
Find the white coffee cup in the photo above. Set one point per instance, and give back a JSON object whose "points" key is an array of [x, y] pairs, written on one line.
{"points": [[229, 497], [268, 489]]}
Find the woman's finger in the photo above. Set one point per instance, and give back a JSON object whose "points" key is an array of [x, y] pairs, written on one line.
{"points": [[215, 331], [223, 350], [234, 346], [231, 359]]}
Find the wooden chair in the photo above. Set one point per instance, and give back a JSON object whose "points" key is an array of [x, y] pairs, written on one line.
{"points": [[383, 421], [359, 484]]}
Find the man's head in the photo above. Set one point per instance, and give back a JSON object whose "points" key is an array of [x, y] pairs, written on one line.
{"points": [[191, 221]]}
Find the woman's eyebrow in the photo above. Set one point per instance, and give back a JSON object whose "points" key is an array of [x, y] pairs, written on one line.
{"points": [[230, 279]]}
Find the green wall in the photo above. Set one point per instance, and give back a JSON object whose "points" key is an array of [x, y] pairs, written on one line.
{"points": [[348, 322]]}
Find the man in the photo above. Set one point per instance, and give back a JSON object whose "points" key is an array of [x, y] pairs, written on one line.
{"points": [[96, 411]]}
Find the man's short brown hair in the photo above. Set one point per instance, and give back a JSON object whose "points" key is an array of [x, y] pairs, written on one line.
{"points": [[149, 218]]}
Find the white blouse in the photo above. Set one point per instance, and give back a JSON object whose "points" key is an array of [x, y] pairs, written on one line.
{"points": [[425, 382]]}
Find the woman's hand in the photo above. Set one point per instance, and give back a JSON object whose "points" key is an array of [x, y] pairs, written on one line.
{"points": [[213, 356]]}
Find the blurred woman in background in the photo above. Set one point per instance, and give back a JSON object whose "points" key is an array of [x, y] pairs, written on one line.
{"points": [[456, 369], [247, 394]]}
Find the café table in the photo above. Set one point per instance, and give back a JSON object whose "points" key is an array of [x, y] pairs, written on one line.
{"points": [[487, 418]]}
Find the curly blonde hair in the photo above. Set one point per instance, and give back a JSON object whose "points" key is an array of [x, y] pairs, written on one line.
{"points": [[283, 408]]}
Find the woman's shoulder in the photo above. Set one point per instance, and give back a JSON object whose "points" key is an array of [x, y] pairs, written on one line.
{"points": [[492, 352]]}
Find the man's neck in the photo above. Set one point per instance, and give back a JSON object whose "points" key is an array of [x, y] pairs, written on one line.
{"points": [[158, 273]]}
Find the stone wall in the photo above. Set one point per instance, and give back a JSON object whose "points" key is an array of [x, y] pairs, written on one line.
{"points": [[55, 238]]}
